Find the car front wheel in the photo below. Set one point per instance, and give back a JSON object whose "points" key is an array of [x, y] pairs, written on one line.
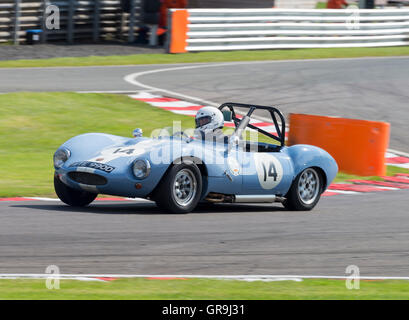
{"points": [[71, 196], [181, 188], [305, 192]]}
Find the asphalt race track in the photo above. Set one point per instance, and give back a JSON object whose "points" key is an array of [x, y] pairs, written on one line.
{"points": [[367, 230], [371, 232]]}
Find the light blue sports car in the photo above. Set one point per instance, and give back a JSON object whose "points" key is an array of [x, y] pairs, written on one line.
{"points": [[178, 171]]}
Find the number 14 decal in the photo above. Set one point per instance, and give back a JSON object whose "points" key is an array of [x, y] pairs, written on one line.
{"points": [[271, 172], [122, 150]]}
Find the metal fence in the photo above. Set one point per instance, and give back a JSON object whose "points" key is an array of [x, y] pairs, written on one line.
{"points": [[79, 20], [245, 29]]}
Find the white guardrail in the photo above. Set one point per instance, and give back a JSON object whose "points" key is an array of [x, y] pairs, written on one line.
{"points": [[246, 29]]}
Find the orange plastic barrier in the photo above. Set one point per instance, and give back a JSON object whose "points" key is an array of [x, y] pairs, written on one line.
{"points": [[178, 31], [358, 146]]}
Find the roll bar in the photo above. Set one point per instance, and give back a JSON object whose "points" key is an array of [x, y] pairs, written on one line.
{"points": [[275, 116]]}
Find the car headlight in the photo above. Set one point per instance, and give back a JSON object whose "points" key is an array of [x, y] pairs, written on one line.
{"points": [[60, 156], [141, 169]]}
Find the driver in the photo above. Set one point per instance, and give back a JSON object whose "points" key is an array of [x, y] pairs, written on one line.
{"points": [[209, 124]]}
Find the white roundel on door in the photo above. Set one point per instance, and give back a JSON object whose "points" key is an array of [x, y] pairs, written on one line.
{"points": [[269, 170]]}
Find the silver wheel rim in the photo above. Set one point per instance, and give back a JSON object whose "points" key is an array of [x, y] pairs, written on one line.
{"points": [[308, 186], [184, 187]]}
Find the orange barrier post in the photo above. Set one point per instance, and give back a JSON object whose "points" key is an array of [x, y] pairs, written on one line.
{"points": [[358, 146], [178, 31]]}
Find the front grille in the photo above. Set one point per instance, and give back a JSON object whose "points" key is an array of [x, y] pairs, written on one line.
{"points": [[87, 178]]}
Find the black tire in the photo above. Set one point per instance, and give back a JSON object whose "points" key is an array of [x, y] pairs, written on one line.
{"points": [[72, 197], [294, 199], [166, 194]]}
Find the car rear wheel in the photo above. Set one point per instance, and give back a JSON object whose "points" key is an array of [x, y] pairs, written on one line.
{"points": [[180, 189], [71, 196], [305, 192]]}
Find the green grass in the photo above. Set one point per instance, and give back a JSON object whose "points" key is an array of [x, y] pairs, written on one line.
{"points": [[390, 171], [34, 125], [256, 55], [200, 289]]}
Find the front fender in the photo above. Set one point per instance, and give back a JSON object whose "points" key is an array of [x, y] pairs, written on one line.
{"points": [[83, 146], [305, 156]]}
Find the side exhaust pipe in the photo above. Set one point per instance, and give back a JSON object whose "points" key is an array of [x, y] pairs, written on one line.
{"points": [[224, 198], [255, 198]]}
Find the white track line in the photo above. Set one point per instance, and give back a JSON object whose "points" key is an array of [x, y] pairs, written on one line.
{"points": [[344, 191], [137, 199], [399, 153], [111, 91], [131, 78], [222, 277], [42, 199]]}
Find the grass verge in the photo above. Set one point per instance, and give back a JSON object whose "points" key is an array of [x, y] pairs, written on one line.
{"points": [[145, 289], [256, 55], [34, 125], [390, 171]]}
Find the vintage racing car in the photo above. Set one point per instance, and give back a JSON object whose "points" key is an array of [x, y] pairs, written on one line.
{"points": [[178, 172]]}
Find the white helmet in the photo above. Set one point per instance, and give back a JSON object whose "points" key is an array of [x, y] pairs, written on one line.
{"points": [[208, 119]]}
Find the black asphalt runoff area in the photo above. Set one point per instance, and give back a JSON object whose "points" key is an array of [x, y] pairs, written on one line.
{"points": [[370, 231]]}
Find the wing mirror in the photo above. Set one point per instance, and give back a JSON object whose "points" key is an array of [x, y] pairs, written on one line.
{"points": [[137, 133], [227, 115]]}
